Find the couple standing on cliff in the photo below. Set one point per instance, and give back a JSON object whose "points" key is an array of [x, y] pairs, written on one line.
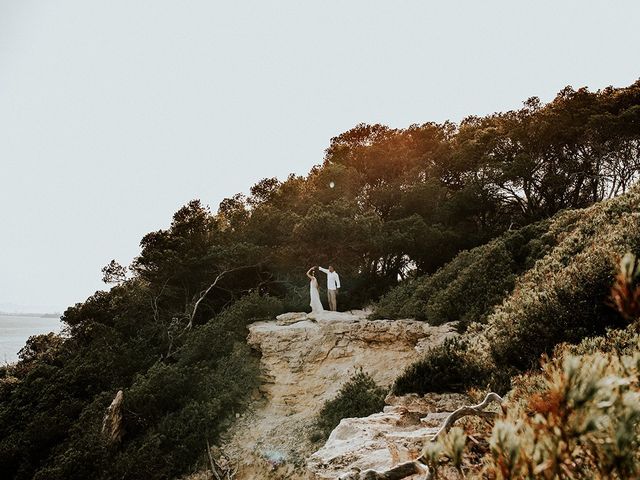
{"points": [[333, 284]]}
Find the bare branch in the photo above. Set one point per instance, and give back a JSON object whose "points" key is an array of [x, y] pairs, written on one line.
{"points": [[214, 470], [204, 293], [477, 410], [222, 469], [419, 465], [154, 301]]}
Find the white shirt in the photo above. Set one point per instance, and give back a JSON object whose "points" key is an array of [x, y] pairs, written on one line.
{"points": [[333, 280]]}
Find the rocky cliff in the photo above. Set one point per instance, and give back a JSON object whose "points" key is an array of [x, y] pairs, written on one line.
{"points": [[304, 360]]}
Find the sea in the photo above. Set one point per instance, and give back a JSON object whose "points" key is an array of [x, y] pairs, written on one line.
{"points": [[15, 330]]}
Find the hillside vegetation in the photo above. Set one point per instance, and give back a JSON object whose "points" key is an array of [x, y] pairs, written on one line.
{"points": [[576, 417], [522, 294], [385, 204], [465, 289]]}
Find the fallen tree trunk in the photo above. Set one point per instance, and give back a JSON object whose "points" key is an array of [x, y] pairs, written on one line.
{"points": [[419, 465]]}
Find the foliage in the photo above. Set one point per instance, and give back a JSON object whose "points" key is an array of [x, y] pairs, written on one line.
{"points": [[616, 341], [358, 397], [625, 294], [404, 202], [113, 272], [563, 295], [449, 367], [583, 421], [53, 402], [576, 418], [564, 298], [466, 288]]}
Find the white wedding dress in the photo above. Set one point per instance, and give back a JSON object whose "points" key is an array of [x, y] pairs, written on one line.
{"points": [[316, 304]]}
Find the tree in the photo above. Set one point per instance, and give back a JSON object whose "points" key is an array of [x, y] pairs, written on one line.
{"points": [[113, 272]]}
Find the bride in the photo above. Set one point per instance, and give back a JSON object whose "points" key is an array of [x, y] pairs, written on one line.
{"points": [[316, 304]]}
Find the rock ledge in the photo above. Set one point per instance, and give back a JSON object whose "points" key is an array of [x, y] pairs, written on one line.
{"points": [[305, 359]]}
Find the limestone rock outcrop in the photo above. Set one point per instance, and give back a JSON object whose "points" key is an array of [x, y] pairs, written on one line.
{"points": [[112, 428], [382, 440], [305, 359]]}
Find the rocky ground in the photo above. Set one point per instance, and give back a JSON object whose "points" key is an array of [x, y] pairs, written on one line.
{"points": [[383, 439], [305, 359]]}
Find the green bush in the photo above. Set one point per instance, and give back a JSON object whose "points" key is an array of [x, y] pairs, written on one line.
{"points": [[359, 397], [564, 298], [531, 325], [468, 287], [619, 342], [560, 297], [449, 367], [578, 416]]}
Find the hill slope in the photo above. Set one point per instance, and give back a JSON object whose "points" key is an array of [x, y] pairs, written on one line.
{"points": [[522, 293], [528, 291]]}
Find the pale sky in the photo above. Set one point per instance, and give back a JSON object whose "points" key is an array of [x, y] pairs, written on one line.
{"points": [[113, 114]]}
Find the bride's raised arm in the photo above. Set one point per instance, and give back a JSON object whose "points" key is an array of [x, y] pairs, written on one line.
{"points": [[309, 273]]}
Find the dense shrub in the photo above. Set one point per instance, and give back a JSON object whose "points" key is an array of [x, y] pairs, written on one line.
{"points": [[616, 341], [359, 397], [561, 297], [172, 407], [449, 367], [469, 286], [576, 417], [564, 297], [581, 418]]}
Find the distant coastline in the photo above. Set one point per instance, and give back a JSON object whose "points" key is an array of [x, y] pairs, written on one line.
{"points": [[36, 315], [17, 328]]}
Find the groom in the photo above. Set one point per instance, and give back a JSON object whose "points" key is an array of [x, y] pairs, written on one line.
{"points": [[333, 284]]}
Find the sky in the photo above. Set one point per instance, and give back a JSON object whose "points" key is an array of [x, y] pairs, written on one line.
{"points": [[114, 114]]}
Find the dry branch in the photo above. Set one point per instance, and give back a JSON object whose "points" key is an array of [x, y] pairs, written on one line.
{"points": [[477, 410], [212, 463], [221, 472], [205, 292], [419, 465]]}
